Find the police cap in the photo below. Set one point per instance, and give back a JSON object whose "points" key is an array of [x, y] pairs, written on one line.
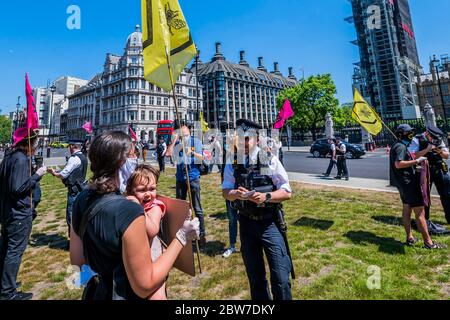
{"points": [[245, 125], [75, 142], [435, 132]]}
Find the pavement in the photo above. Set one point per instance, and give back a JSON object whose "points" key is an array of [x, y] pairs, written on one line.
{"points": [[353, 183]]}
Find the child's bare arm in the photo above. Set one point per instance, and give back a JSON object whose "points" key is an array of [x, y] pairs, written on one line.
{"points": [[153, 220]]}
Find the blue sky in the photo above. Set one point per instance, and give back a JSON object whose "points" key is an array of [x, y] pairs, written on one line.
{"points": [[308, 34]]}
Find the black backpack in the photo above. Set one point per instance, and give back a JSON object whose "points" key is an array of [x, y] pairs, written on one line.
{"points": [[160, 149]]}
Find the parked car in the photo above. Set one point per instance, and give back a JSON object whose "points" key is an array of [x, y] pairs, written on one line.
{"points": [[320, 149], [59, 145]]}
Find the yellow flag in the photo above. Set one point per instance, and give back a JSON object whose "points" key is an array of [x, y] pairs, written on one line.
{"points": [[204, 123], [166, 40], [365, 115]]}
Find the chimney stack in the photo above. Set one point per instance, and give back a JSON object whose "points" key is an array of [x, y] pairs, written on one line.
{"points": [[260, 62], [242, 55], [291, 74], [218, 55], [218, 48], [276, 70], [242, 59]]}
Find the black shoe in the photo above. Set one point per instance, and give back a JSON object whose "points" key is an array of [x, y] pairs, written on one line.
{"points": [[435, 229], [326, 175], [347, 178], [435, 246], [411, 242], [21, 296], [338, 178]]}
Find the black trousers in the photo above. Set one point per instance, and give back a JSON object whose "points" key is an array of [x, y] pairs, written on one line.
{"points": [[182, 190], [342, 166], [13, 242], [331, 166], [442, 181], [161, 163]]}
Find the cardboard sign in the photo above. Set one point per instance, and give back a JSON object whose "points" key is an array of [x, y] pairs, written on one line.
{"points": [[176, 214]]}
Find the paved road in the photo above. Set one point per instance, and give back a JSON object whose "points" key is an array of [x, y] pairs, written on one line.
{"points": [[374, 165]]}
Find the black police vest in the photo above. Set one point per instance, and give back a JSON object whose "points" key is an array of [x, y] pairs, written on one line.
{"points": [[338, 150], [78, 175], [250, 178], [434, 158]]}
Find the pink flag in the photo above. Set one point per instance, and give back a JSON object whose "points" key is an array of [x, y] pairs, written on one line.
{"points": [[32, 117], [88, 127], [132, 133], [286, 112]]}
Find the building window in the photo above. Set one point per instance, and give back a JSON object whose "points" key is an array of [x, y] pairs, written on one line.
{"points": [[142, 115], [151, 100], [143, 99], [152, 115], [158, 115], [166, 115], [158, 101], [179, 102], [166, 102]]}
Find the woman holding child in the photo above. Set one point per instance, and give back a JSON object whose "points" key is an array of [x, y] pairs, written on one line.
{"points": [[114, 234]]}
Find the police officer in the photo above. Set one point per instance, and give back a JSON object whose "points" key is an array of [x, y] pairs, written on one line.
{"points": [[73, 176], [257, 186], [430, 145], [341, 149]]}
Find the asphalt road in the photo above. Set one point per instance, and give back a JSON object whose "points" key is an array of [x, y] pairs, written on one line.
{"points": [[374, 165]]}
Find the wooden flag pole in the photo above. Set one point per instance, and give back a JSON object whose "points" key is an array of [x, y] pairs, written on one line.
{"points": [[184, 153]]}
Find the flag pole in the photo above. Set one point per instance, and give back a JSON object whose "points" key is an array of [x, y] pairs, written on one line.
{"points": [[177, 115]]}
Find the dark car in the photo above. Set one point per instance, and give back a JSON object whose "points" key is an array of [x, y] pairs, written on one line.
{"points": [[321, 148]]}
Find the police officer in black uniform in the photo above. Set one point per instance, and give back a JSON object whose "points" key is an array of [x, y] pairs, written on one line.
{"points": [[257, 185], [73, 176], [430, 145], [341, 150]]}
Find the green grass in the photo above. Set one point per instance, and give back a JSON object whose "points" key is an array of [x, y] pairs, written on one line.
{"points": [[334, 234]]}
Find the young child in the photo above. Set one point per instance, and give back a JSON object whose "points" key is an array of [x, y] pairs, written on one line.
{"points": [[141, 188]]}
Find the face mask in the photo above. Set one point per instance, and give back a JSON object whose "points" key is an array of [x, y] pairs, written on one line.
{"points": [[128, 168]]}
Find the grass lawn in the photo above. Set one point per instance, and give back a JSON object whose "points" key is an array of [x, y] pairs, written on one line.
{"points": [[335, 236]]}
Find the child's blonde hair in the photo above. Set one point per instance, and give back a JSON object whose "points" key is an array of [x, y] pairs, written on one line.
{"points": [[143, 174]]}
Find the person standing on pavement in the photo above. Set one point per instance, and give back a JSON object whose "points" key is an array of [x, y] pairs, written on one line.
{"points": [[161, 150], [17, 184], [333, 159], [73, 176], [341, 150], [193, 157], [216, 150], [407, 179], [430, 144]]}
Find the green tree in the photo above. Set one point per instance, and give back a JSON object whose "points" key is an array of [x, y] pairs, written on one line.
{"points": [[343, 115], [311, 100], [5, 129]]}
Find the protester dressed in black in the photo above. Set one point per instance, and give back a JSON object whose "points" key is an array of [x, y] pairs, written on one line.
{"points": [[17, 185]]}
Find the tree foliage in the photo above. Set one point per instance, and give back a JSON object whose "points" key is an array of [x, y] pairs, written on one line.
{"points": [[311, 100], [5, 129]]}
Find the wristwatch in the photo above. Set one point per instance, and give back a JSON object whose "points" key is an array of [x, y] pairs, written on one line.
{"points": [[268, 198]]}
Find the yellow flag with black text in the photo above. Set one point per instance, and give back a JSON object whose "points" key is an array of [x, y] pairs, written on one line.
{"points": [[365, 115], [166, 41]]}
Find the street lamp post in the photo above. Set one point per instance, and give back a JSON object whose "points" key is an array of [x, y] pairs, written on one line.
{"points": [[436, 64], [196, 78], [17, 113], [52, 89]]}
